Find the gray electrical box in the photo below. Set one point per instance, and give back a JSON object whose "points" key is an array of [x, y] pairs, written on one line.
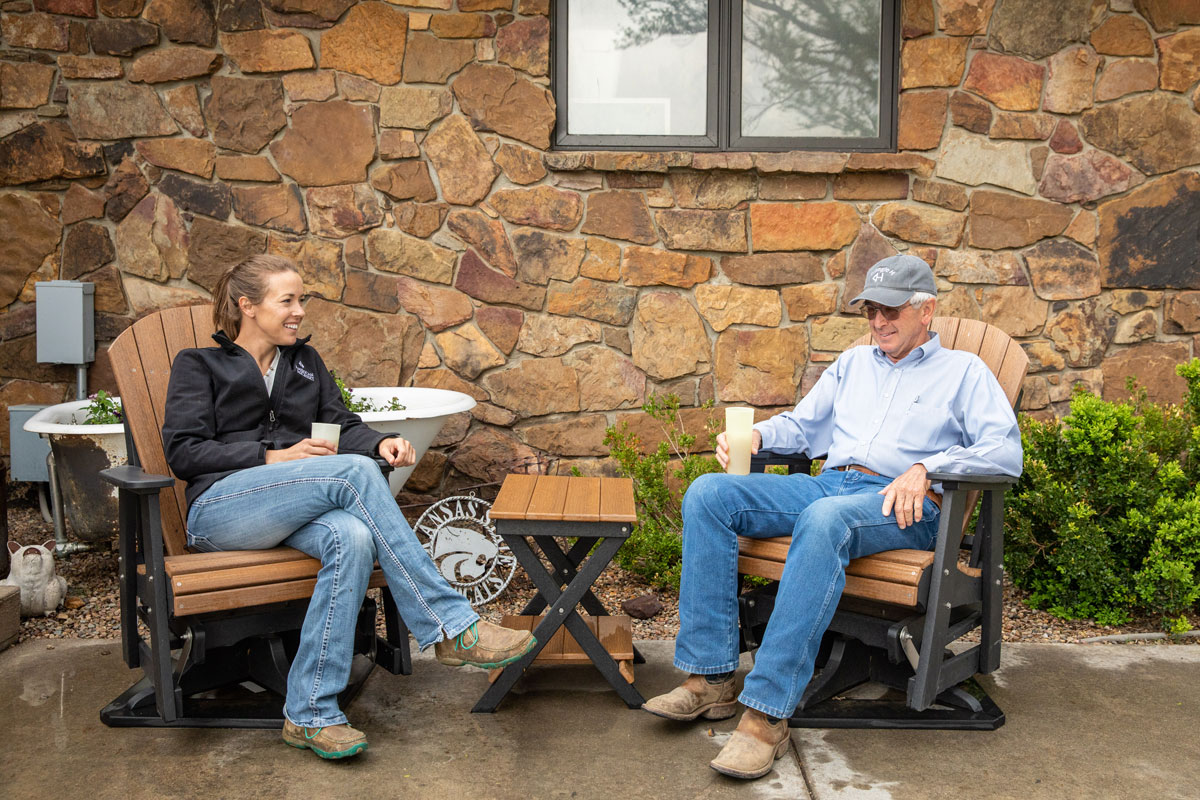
{"points": [[28, 450], [66, 322]]}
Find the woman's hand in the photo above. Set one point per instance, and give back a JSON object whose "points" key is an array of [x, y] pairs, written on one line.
{"points": [[397, 452], [305, 448]]}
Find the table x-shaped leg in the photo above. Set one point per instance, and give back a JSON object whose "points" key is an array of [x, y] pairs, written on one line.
{"points": [[565, 568], [561, 612]]}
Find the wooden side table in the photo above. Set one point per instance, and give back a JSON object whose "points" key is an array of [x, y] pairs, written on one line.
{"points": [[599, 513]]}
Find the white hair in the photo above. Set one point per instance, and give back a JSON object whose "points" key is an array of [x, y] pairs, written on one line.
{"points": [[919, 299]]}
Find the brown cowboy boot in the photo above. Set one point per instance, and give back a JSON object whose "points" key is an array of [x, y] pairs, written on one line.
{"points": [[695, 697], [752, 750]]}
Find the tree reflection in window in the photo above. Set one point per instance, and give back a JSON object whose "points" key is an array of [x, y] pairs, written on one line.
{"points": [[810, 68]]}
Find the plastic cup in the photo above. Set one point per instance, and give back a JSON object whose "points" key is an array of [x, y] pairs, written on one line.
{"points": [[328, 431], [739, 423]]}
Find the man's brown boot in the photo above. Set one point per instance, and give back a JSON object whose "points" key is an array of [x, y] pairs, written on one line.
{"points": [[754, 746], [695, 697], [484, 645], [332, 741]]}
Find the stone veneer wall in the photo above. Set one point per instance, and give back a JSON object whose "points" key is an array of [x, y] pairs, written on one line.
{"points": [[400, 153]]}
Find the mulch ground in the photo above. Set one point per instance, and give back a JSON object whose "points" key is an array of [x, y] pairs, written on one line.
{"points": [[92, 595]]}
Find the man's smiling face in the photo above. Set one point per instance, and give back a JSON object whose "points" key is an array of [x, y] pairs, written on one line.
{"points": [[898, 337]]}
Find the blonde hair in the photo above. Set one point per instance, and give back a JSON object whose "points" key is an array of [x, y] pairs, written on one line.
{"points": [[249, 280]]}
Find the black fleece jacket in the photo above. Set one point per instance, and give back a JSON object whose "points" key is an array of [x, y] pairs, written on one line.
{"points": [[219, 418]]}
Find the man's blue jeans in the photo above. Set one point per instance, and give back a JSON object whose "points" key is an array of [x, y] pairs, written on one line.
{"points": [[831, 518], [338, 509]]}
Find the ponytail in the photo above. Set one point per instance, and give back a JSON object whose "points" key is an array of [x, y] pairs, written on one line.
{"points": [[247, 279]]}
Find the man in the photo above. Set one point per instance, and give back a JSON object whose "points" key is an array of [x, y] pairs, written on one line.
{"points": [[886, 415]]}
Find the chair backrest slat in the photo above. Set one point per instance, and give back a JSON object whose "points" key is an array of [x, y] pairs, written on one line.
{"points": [[1012, 371], [970, 335], [994, 348], [202, 324], [177, 330], [945, 327], [142, 358]]}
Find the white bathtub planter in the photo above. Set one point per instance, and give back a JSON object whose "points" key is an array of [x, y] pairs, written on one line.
{"points": [[425, 411], [80, 452]]}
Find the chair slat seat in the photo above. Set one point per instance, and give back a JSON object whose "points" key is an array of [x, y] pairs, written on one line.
{"points": [[204, 582]]}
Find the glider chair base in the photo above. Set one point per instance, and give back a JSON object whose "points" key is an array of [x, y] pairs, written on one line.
{"points": [[237, 684]]}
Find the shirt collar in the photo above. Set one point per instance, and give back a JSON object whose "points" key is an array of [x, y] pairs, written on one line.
{"points": [[921, 351]]}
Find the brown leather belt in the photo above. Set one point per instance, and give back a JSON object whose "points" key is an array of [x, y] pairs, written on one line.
{"points": [[930, 493]]}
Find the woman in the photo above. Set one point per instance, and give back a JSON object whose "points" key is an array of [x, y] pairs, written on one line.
{"points": [[237, 425]]}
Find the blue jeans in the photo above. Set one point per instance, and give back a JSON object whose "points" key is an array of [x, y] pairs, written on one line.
{"points": [[338, 509], [831, 518]]}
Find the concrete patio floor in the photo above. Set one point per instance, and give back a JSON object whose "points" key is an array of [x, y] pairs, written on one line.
{"points": [[1082, 722]]}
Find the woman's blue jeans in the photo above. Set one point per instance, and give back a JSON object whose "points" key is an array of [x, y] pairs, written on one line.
{"points": [[337, 509], [831, 518]]}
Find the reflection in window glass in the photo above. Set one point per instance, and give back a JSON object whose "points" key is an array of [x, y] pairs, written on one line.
{"points": [[637, 73], [810, 68]]}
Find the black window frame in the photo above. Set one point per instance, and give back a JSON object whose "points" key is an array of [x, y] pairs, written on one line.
{"points": [[723, 121]]}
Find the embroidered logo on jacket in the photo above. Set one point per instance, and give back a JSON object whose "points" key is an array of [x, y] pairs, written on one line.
{"points": [[304, 372]]}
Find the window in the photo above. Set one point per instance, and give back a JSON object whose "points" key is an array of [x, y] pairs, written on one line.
{"points": [[726, 74]]}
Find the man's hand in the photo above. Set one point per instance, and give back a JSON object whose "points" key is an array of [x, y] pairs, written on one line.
{"points": [[723, 447], [397, 452], [305, 448], [906, 495]]}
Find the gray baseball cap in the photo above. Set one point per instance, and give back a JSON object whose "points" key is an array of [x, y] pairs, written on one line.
{"points": [[892, 281]]}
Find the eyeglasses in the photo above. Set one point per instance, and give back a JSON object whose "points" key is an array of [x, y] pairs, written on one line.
{"points": [[889, 313]]}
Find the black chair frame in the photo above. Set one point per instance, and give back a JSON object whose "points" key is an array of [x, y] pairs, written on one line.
{"points": [[907, 649]]}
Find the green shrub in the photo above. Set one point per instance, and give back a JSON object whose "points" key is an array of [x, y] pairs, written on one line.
{"points": [[1105, 520], [660, 478]]}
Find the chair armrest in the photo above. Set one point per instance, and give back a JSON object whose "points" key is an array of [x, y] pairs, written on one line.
{"points": [[136, 479], [981, 482], [795, 462]]}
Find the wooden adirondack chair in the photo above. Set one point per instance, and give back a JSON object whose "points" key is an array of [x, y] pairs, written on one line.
{"points": [[902, 608], [232, 617]]}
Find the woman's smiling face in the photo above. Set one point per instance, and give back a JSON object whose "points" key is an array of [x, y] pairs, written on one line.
{"points": [[277, 318]]}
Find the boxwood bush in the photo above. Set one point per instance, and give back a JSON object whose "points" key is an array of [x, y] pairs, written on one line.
{"points": [[1105, 520]]}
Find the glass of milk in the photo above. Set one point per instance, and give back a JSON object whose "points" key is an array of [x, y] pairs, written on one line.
{"points": [[738, 425], [329, 431]]}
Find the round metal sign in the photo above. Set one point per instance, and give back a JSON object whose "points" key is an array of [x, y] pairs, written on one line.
{"points": [[459, 536]]}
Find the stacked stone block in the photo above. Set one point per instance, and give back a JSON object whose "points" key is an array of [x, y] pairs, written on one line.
{"points": [[400, 153]]}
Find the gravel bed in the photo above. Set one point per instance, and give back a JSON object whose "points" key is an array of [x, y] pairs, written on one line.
{"points": [[92, 591]]}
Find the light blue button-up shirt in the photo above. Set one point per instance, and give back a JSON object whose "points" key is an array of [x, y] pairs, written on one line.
{"points": [[942, 408]]}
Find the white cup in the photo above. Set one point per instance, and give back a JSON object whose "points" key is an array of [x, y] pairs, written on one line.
{"points": [[328, 431], [739, 424]]}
